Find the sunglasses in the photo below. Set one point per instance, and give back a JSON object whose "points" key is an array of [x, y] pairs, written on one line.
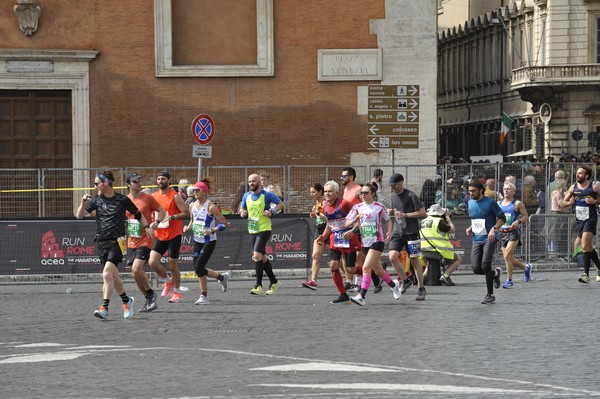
{"points": [[365, 192], [196, 190], [136, 181], [344, 176], [98, 183]]}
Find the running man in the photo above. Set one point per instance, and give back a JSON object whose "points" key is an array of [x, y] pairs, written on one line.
{"points": [[486, 219], [256, 206], [407, 209], [206, 220], [584, 196], [110, 208], [343, 242], [141, 238], [168, 236], [510, 233]]}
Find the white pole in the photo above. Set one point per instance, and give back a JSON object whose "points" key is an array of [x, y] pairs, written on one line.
{"points": [[199, 169]]}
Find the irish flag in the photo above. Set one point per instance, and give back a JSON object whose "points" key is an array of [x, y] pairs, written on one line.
{"points": [[506, 124]]}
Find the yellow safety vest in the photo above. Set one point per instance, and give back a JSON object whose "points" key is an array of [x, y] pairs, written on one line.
{"points": [[433, 239]]}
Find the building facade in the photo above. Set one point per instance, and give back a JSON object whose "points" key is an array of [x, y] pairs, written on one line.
{"points": [[536, 61], [85, 84]]}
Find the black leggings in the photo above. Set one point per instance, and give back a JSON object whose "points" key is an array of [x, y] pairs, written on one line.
{"points": [[202, 253]]}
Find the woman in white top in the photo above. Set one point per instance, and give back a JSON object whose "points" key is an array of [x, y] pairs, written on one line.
{"points": [[205, 221], [371, 217], [556, 226]]}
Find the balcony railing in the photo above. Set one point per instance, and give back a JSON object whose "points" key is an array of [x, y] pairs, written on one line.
{"points": [[553, 75]]}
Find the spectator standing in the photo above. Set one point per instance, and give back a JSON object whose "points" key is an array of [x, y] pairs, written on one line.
{"points": [[316, 193]]}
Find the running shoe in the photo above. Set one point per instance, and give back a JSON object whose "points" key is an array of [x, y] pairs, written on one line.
{"points": [[203, 300], [273, 288], [497, 278], [310, 284], [584, 278], [257, 290], [421, 294], [527, 272], [343, 298], [128, 308], [378, 289], [347, 286], [359, 300], [489, 298], [151, 302], [144, 308], [508, 284], [167, 289], [225, 281], [101, 313], [407, 283], [176, 297], [353, 288], [396, 291], [598, 277], [446, 280]]}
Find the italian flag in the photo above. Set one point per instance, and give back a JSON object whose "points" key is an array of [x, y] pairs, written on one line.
{"points": [[506, 125]]}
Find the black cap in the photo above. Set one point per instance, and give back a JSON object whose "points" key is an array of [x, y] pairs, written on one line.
{"points": [[395, 178], [133, 177], [164, 173]]}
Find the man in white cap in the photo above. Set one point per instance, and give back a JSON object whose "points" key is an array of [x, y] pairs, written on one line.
{"points": [[434, 238]]}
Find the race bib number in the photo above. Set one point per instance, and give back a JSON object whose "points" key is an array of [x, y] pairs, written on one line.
{"points": [[478, 227], [508, 222], [198, 228], [582, 212], [134, 228], [339, 241], [368, 229], [252, 225]]}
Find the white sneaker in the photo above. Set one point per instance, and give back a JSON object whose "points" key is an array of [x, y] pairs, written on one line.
{"points": [[225, 282], [359, 300], [396, 290], [202, 301]]}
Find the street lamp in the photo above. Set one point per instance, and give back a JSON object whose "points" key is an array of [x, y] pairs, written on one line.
{"points": [[497, 20]]}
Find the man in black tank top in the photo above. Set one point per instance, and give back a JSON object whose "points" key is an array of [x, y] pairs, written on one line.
{"points": [[584, 195]]}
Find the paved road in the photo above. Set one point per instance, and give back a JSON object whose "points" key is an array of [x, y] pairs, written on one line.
{"points": [[538, 341]]}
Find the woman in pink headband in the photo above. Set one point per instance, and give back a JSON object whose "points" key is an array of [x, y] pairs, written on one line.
{"points": [[205, 221]]}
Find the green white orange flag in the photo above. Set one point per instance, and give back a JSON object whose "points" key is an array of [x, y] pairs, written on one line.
{"points": [[505, 128]]}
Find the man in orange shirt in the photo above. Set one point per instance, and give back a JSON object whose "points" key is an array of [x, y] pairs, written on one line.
{"points": [[168, 235], [140, 242], [352, 196]]}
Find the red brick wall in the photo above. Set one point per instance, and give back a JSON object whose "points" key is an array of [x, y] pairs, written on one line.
{"points": [[138, 119]]}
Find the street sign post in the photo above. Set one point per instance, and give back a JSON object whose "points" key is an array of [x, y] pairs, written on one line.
{"points": [[393, 116], [203, 131]]}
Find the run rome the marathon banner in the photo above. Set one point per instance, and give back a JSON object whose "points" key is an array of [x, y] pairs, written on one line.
{"points": [[67, 246]]}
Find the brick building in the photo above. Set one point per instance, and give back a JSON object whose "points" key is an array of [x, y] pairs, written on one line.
{"points": [[119, 83]]}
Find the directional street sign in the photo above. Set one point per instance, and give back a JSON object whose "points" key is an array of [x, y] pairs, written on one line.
{"points": [[393, 116]]}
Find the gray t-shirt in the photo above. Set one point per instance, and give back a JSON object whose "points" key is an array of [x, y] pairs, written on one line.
{"points": [[406, 202]]}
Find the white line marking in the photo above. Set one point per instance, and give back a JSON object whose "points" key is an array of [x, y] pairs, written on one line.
{"points": [[39, 345], [42, 357], [318, 366], [406, 387]]}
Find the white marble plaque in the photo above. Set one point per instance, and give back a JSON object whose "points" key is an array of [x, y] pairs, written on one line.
{"points": [[30, 66], [350, 64]]}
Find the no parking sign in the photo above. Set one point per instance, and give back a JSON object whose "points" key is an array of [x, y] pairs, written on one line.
{"points": [[203, 129]]}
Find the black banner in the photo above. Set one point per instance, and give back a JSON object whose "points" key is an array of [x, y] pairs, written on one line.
{"points": [[67, 246]]}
